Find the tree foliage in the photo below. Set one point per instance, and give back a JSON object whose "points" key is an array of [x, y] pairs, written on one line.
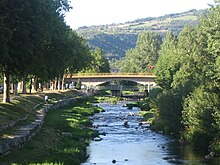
{"points": [[98, 63], [167, 62], [145, 53], [37, 44], [201, 116], [188, 71]]}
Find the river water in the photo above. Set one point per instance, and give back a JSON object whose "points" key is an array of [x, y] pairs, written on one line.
{"points": [[135, 144]]}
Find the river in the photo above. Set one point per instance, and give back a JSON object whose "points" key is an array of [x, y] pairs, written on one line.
{"points": [[135, 144]]}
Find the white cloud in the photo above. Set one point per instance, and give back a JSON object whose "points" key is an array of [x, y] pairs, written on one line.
{"points": [[97, 12]]}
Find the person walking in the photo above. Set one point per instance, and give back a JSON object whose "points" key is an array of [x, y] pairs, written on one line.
{"points": [[46, 99]]}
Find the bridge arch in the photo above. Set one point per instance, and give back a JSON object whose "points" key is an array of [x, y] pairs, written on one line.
{"points": [[112, 80]]}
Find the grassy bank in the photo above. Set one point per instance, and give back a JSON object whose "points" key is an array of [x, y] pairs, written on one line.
{"points": [[62, 140], [22, 108]]}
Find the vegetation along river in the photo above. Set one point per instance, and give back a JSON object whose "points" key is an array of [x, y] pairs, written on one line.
{"points": [[134, 143]]}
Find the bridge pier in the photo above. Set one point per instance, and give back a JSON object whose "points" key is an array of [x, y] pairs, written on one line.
{"points": [[146, 93], [117, 93]]}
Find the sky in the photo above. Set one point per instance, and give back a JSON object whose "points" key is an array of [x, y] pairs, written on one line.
{"points": [[102, 12]]}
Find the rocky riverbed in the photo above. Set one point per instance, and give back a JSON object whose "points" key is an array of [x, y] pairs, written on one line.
{"points": [[126, 139]]}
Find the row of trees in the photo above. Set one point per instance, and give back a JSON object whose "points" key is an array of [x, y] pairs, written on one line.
{"points": [[188, 72], [37, 44]]}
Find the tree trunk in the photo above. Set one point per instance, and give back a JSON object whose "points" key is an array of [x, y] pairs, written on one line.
{"points": [[55, 84], [6, 95], [47, 86], [42, 87], [58, 83], [34, 81], [24, 89], [31, 83], [52, 85], [63, 83], [36, 85], [15, 88]]}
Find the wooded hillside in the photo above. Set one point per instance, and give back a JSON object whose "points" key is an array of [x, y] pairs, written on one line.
{"points": [[116, 39]]}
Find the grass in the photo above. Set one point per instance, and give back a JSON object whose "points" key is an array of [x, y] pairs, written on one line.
{"points": [[112, 99], [23, 106], [62, 140], [149, 116], [19, 111]]}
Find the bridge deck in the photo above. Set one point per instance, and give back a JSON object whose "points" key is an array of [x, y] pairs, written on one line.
{"points": [[111, 75]]}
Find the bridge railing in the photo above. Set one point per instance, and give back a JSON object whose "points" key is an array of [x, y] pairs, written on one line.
{"points": [[109, 74]]}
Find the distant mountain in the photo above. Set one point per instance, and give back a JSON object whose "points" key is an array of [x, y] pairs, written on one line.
{"points": [[116, 39]]}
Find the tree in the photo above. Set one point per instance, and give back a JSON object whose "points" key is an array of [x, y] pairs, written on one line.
{"points": [[211, 31], [167, 63], [19, 46], [78, 51], [201, 109], [201, 116], [194, 85], [188, 76], [99, 63], [144, 54]]}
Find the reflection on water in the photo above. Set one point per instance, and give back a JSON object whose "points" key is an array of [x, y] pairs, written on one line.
{"points": [[135, 143]]}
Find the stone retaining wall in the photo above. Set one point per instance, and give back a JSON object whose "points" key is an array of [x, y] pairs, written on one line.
{"points": [[25, 133]]}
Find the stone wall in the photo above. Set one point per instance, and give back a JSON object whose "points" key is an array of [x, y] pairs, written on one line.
{"points": [[25, 133]]}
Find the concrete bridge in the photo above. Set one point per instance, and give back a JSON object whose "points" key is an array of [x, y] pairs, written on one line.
{"points": [[99, 78]]}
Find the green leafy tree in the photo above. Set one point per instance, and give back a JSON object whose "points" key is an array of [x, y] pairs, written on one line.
{"points": [[17, 18], [79, 56], [167, 63], [99, 63], [201, 116], [188, 76], [201, 110], [191, 95], [144, 54], [211, 31], [169, 113]]}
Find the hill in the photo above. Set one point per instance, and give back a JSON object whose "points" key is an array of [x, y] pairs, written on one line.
{"points": [[116, 39]]}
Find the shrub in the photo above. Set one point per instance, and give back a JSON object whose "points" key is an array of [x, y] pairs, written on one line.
{"points": [[169, 113], [201, 116]]}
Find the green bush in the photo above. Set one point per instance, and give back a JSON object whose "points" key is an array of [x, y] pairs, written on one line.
{"points": [[161, 125], [155, 92], [149, 116], [201, 116], [144, 105], [169, 107], [114, 100], [215, 146]]}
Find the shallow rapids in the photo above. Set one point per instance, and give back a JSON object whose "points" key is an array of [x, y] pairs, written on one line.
{"points": [[124, 140]]}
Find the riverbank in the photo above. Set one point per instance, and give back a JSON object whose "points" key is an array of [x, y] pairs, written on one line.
{"points": [[63, 137], [151, 111], [23, 107]]}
